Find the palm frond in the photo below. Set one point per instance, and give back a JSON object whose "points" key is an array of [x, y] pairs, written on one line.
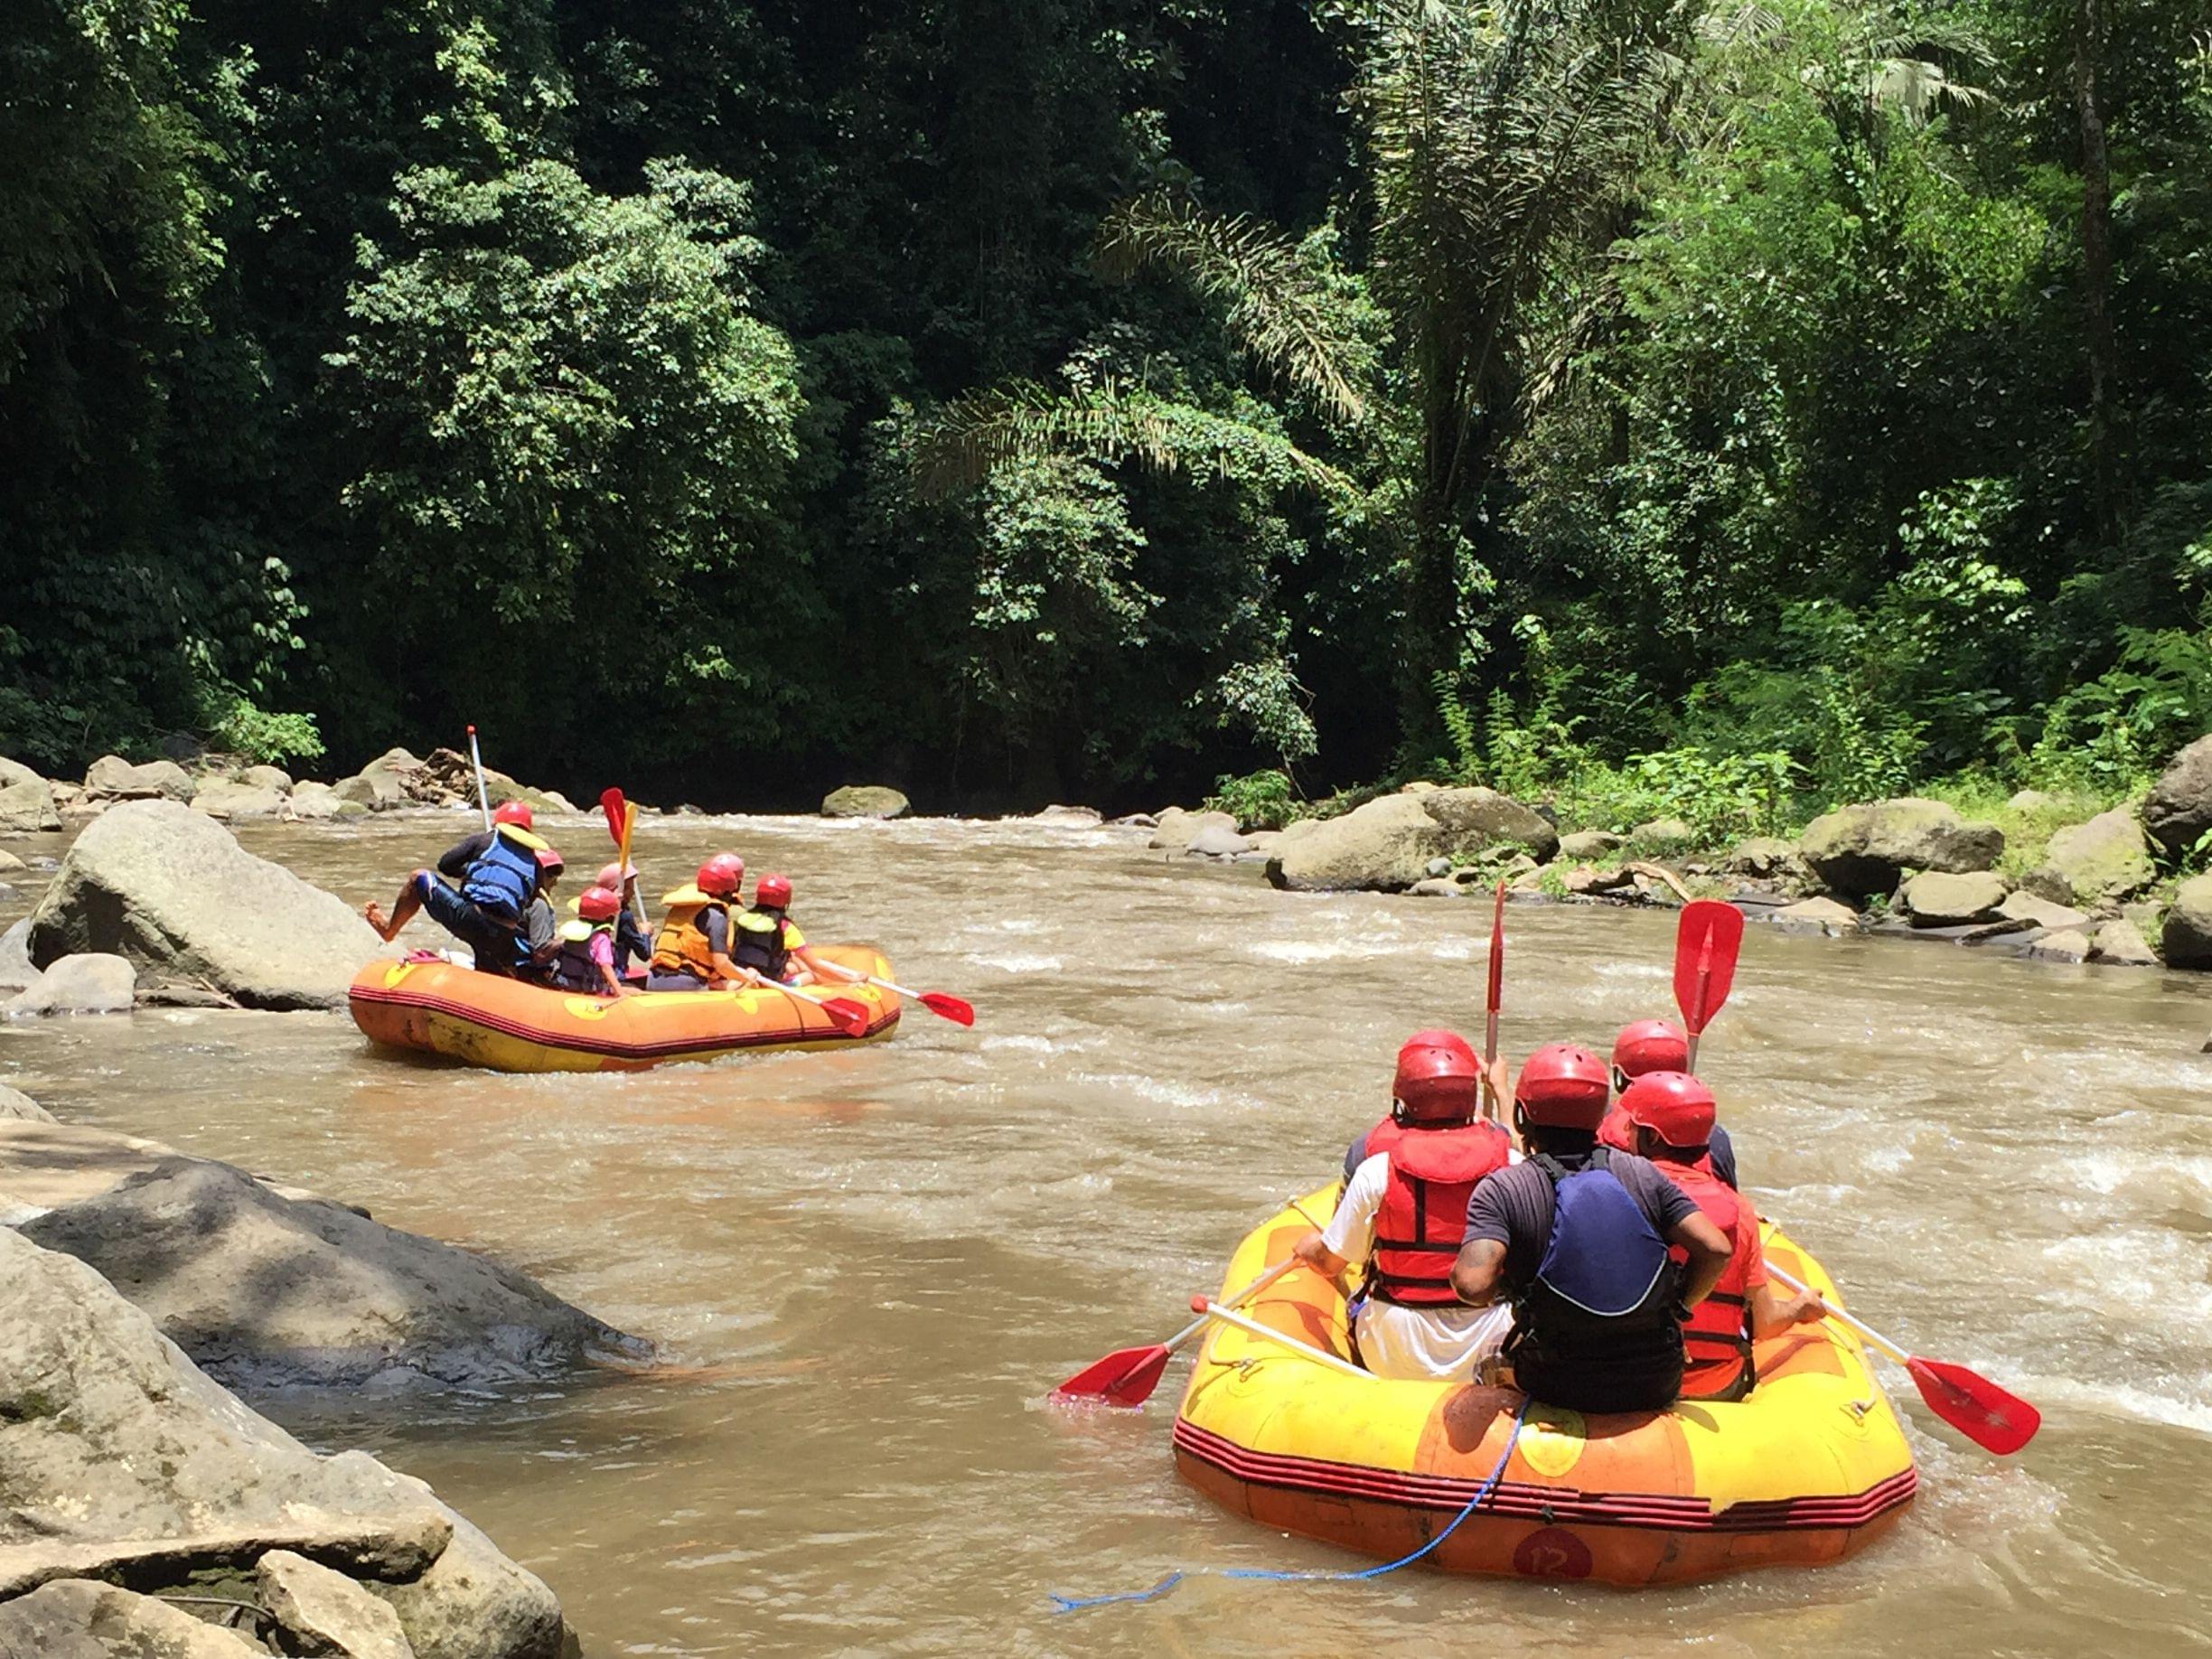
{"points": [[1279, 305], [1107, 423]]}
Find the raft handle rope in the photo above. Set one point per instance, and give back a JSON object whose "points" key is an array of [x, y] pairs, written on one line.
{"points": [[1076, 1604]]}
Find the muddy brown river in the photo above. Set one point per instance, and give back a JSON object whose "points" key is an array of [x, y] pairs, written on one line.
{"points": [[870, 1267]]}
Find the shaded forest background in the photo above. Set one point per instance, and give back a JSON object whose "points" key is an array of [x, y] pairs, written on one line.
{"points": [[1018, 400]]}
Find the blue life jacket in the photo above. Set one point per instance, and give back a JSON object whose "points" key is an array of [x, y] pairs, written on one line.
{"points": [[504, 876], [1597, 1329]]}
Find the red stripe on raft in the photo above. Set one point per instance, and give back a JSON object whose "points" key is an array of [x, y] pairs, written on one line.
{"points": [[1658, 1511], [571, 1041]]}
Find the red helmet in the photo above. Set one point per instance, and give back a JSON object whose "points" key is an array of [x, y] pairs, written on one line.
{"points": [[721, 875], [1650, 1045], [774, 893], [1438, 1077], [550, 862], [1563, 1086], [600, 904], [612, 875], [515, 813], [1673, 1105]]}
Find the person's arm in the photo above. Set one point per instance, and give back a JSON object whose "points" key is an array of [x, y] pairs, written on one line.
{"points": [[456, 859], [1349, 1237], [1772, 1312], [542, 931], [603, 959], [1709, 1249], [1479, 1276]]}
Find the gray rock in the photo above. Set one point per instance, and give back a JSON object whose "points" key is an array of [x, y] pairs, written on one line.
{"points": [[119, 1456], [1439, 866], [85, 983], [267, 777], [172, 890], [2066, 945], [1419, 786], [1940, 900], [1825, 914], [1476, 820], [10, 864], [26, 800], [1135, 820], [1213, 842], [864, 800], [377, 792], [1583, 879], [265, 1290], [1584, 845], [2118, 942], [1862, 850], [2105, 859], [227, 798], [75, 1619], [314, 802], [2186, 941], [1663, 835], [113, 778], [2179, 810], [16, 970], [2025, 906], [1178, 828], [1440, 886], [17, 1107], [2032, 801], [1071, 817], [325, 1612]]}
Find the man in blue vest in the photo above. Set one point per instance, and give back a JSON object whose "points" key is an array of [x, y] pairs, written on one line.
{"points": [[498, 877], [1576, 1238]]}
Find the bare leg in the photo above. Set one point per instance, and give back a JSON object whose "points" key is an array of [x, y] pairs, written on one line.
{"points": [[403, 909]]}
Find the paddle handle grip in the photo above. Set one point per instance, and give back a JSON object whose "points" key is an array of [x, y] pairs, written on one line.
{"points": [[1238, 1301], [483, 795], [1837, 1314], [1214, 1311]]}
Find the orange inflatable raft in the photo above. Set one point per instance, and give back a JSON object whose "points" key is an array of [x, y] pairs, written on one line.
{"points": [[1811, 1468], [506, 1025]]}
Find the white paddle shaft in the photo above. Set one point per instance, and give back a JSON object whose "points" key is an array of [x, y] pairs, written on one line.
{"points": [[483, 795], [1238, 1301], [868, 979], [1837, 1314], [1214, 1311]]}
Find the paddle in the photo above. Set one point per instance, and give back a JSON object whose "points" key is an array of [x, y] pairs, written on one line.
{"points": [[1969, 1403], [1214, 1311], [1127, 1376], [851, 1018], [621, 819], [960, 1012], [1706, 946], [1497, 991], [483, 795]]}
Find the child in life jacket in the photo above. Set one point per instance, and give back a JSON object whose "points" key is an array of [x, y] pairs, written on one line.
{"points": [[765, 943], [585, 960], [633, 945]]}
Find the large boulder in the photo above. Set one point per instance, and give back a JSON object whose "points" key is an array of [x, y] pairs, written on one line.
{"points": [[120, 1459], [17, 971], [1071, 817], [269, 1291], [2120, 942], [1771, 860], [2180, 808], [1478, 820], [1939, 900], [26, 800], [267, 777], [91, 984], [172, 890], [2022, 906], [229, 799], [1863, 850], [1213, 842], [1177, 828], [2091, 864], [1825, 914], [77, 1618], [1390, 843], [17, 1107], [1582, 846], [113, 778], [2186, 941], [864, 800], [325, 1612], [312, 802]]}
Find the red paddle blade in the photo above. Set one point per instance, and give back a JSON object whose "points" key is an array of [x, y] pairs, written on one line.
{"points": [[1706, 946], [1126, 1378], [615, 811], [852, 1018], [1976, 1407], [951, 1008], [1497, 952]]}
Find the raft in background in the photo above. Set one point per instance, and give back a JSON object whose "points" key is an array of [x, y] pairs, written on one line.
{"points": [[506, 1025], [1811, 1468]]}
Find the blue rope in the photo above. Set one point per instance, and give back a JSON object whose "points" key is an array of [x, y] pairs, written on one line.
{"points": [[1075, 1604]]}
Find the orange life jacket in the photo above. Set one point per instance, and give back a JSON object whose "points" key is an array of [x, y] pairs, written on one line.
{"points": [[681, 946], [1717, 1335]]}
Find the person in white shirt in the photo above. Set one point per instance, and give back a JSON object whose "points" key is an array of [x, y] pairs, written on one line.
{"points": [[1403, 1216]]}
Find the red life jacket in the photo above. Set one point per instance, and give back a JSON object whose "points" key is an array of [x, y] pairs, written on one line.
{"points": [[1423, 1218], [1717, 1335]]}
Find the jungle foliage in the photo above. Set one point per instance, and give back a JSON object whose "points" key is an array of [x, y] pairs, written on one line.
{"points": [[1021, 398]]}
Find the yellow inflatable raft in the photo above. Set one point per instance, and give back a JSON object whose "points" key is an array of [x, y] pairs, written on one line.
{"points": [[506, 1025], [1811, 1468]]}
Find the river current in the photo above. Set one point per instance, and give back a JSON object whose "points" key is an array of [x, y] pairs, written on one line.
{"points": [[866, 1268]]}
